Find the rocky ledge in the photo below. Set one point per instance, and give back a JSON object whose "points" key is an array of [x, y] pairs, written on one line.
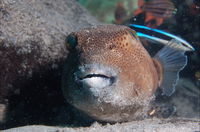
{"points": [[32, 52], [150, 125]]}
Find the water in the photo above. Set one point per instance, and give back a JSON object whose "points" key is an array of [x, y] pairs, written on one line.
{"points": [[37, 98], [183, 22]]}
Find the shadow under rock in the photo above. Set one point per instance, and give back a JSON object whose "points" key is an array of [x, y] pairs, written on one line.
{"points": [[40, 101]]}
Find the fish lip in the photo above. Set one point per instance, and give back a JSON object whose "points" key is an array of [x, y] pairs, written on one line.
{"points": [[90, 71], [95, 75], [96, 69], [112, 79]]}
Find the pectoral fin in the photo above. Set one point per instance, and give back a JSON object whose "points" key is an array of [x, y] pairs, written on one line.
{"points": [[172, 60]]}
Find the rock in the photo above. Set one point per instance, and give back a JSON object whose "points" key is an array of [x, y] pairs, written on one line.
{"points": [[32, 52], [149, 125], [2, 111], [32, 36]]}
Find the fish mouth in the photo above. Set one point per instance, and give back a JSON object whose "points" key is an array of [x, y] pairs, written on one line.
{"points": [[98, 80], [95, 76]]}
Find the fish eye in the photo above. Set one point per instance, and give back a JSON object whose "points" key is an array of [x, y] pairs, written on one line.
{"points": [[71, 41]]}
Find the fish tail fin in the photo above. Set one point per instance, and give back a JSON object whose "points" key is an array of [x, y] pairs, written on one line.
{"points": [[173, 60]]}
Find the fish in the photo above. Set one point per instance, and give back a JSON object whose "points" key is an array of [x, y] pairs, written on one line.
{"points": [[157, 10], [160, 36], [110, 76]]}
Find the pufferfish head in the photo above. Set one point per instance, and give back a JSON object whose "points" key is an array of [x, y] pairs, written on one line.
{"points": [[105, 73]]}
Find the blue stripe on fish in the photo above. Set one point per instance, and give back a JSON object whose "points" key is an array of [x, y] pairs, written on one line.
{"points": [[185, 43], [153, 38]]}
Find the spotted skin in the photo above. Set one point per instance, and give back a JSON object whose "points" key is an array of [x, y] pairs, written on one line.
{"points": [[118, 48], [114, 46]]}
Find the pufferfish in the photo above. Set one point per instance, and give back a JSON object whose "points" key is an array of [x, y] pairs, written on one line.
{"points": [[111, 77], [157, 10]]}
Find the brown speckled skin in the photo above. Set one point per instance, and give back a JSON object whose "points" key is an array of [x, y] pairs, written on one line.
{"points": [[116, 47]]}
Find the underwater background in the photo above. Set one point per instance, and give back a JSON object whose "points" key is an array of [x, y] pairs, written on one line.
{"points": [[184, 23], [34, 65], [179, 17]]}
